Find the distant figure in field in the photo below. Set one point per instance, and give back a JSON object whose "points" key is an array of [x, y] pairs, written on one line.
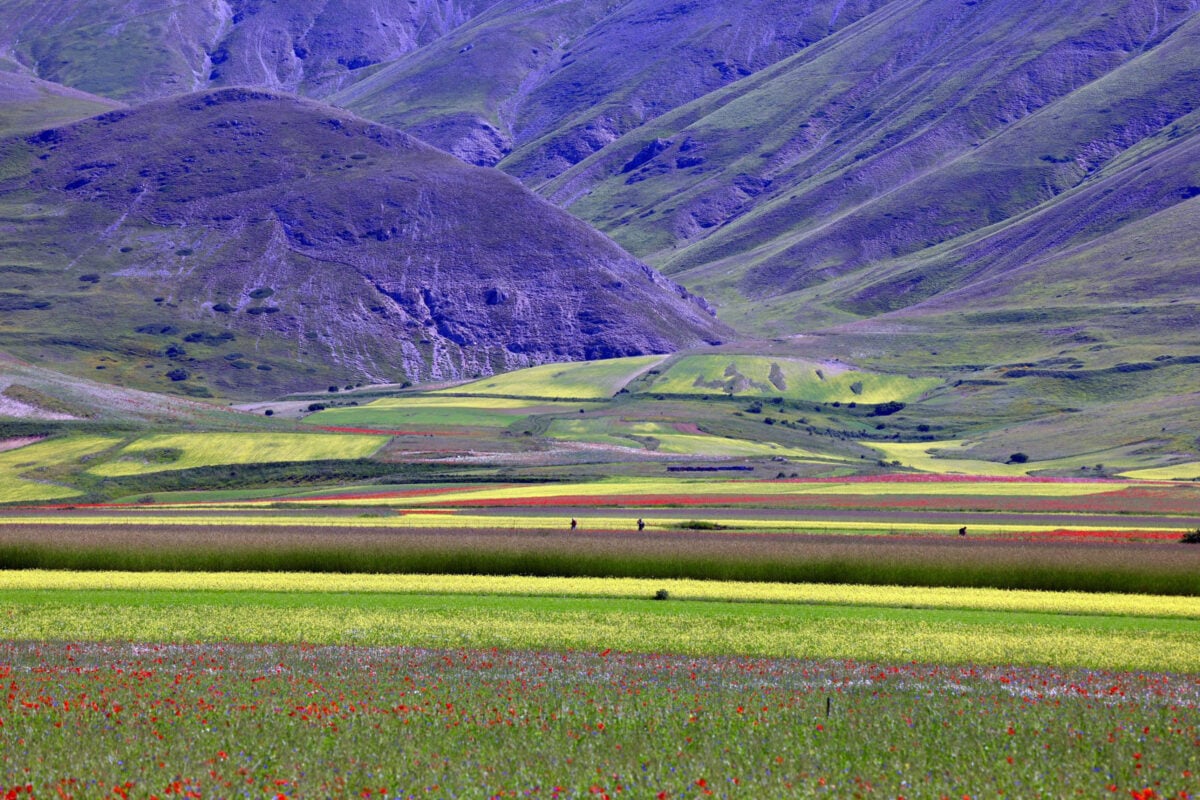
{"points": [[641, 524], [962, 531], [574, 524]]}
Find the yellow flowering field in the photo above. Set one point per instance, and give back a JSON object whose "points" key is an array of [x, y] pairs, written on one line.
{"points": [[1106, 604], [189, 450], [524, 623]]}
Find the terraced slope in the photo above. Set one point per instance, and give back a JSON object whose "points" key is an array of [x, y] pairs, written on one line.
{"points": [[237, 241]]}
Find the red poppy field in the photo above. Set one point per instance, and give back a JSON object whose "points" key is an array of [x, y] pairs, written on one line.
{"points": [[125, 720]]}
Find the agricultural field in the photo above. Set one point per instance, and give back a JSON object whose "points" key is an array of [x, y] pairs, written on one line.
{"points": [[405, 579], [1182, 472], [430, 412], [589, 380], [758, 376], [676, 439], [28, 473], [190, 450], [440, 543]]}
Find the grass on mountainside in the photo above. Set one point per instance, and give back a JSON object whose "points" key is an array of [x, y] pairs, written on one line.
{"points": [[591, 380], [191, 450], [758, 376]]}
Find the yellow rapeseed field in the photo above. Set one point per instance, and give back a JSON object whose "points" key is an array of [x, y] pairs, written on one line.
{"points": [[806, 593]]}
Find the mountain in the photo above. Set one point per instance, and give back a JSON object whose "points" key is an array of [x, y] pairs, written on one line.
{"points": [[920, 125], [244, 241], [541, 86], [146, 49]]}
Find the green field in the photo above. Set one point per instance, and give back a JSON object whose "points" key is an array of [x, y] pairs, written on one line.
{"points": [[758, 376], [28, 473], [436, 413], [189, 450], [592, 380], [1182, 472], [678, 439]]}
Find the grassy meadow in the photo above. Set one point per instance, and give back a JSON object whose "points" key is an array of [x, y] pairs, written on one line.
{"points": [[190, 718], [590, 380]]}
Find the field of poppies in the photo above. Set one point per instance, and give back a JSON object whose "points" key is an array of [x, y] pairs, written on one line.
{"points": [[127, 720]]}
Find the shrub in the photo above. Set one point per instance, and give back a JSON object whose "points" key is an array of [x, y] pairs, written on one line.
{"points": [[662, 594], [178, 375], [1018, 458], [701, 525], [91, 277], [1191, 537], [887, 409]]}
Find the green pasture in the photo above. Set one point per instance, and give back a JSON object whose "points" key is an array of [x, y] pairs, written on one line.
{"points": [[1181, 472], [591, 380], [546, 623], [759, 376], [667, 438], [945, 458], [189, 450], [436, 413], [28, 473]]}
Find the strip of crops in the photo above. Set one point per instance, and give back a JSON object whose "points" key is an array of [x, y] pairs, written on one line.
{"points": [[542, 623], [229, 721], [630, 588], [1166, 569]]}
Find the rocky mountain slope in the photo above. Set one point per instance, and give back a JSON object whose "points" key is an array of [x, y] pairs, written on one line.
{"points": [[944, 120], [543, 86], [146, 49], [235, 239]]}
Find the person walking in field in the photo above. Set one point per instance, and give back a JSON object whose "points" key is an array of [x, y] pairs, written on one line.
{"points": [[641, 524], [574, 524]]}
